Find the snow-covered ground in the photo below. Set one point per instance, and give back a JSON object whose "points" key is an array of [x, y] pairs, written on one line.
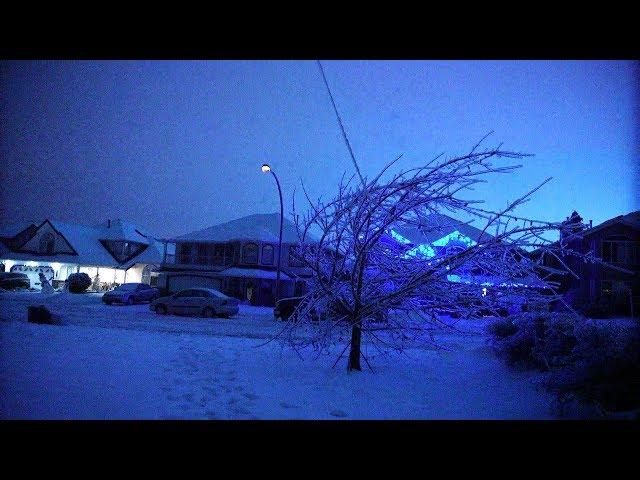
{"points": [[120, 362]]}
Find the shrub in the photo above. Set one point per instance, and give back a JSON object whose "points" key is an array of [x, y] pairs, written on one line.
{"points": [[41, 315], [535, 340], [554, 346], [502, 328], [79, 282], [606, 371]]}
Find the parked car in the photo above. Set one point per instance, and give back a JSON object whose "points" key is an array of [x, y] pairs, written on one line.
{"points": [[12, 280], [285, 307], [206, 302], [130, 293]]}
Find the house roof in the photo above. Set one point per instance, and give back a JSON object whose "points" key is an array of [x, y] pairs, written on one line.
{"points": [[263, 227], [631, 219], [436, 226], [122, 230], [12, 229], [85, 240]]}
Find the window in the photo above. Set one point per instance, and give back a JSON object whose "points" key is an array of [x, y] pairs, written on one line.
{"points": [[619, 249], [47, 242], [267, 255], [202, 254], [294, 257], [217, 254], [184, 253], [228, 254], [185, 293], [250, 253]]}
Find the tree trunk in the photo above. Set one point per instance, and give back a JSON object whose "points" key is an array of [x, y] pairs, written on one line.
{"points": [[354, 354]]}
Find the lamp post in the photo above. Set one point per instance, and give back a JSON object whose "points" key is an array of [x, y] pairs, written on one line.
{"points": [[266, 169]]}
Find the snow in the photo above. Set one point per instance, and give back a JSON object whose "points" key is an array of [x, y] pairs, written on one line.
{"points": [[85, 240], [264, 227], [122, 362], [254, 273]]}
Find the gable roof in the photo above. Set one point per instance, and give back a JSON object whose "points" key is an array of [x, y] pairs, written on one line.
{"points": [[436, 226], [263, 227], [122, 230]]}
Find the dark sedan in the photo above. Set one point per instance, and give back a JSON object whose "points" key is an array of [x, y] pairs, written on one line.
{"points": [[130, 293], [12, 280]]}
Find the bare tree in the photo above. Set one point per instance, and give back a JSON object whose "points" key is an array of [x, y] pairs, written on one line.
{"points": [[369, 286]]}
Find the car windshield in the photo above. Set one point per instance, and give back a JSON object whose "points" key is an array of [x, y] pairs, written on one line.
{"points": [[127, 287]]}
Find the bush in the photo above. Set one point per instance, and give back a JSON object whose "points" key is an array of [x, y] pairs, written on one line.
{"points": [[594, 365], [79, 282], [606, 371], [556, 344], [41, 315], [535, 340], [502, 328]]}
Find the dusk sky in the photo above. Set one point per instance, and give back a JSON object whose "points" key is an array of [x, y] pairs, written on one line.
{"points": [[177, 146]]}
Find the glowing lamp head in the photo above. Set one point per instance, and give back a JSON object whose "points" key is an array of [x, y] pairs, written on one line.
{"points": [[266, 168]]}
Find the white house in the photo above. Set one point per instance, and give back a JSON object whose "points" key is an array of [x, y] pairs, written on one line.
{"points": [[111, 252]]}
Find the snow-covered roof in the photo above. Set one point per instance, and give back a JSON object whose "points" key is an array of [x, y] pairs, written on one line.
{"points": [[12, 229], [437, 226], [122, 230], [85, 240], [263, 227], [253, 273]]}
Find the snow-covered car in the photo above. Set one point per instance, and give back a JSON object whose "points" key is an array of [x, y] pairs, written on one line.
{"points": [[14, 280], [206, 302], [130, 293]]}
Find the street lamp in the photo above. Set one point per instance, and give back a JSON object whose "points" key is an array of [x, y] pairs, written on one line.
{"points": [[266, 169]]}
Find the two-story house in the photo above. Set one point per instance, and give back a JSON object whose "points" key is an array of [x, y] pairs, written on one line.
{"points": [[239, 258], [616, 286]]}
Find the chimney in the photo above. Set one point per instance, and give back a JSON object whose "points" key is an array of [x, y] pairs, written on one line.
{"points": [[573, 224]]}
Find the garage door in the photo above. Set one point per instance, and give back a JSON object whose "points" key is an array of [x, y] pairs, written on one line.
{"points": [[175, 283]]}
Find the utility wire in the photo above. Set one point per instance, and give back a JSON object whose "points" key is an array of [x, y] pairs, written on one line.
{"points": [[344, 134]]}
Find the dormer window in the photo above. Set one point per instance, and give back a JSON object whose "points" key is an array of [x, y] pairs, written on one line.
{"points": [[46, 245], [123, 250]]}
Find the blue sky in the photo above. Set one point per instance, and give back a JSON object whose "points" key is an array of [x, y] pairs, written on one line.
{"points": [[177, 146]]}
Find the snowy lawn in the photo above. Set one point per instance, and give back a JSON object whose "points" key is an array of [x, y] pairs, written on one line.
{"points": [[121, 362]]}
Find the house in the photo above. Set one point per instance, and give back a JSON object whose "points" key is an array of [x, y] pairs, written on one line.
{"points": [[113, 252], [239, 258], [614, 287]]}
